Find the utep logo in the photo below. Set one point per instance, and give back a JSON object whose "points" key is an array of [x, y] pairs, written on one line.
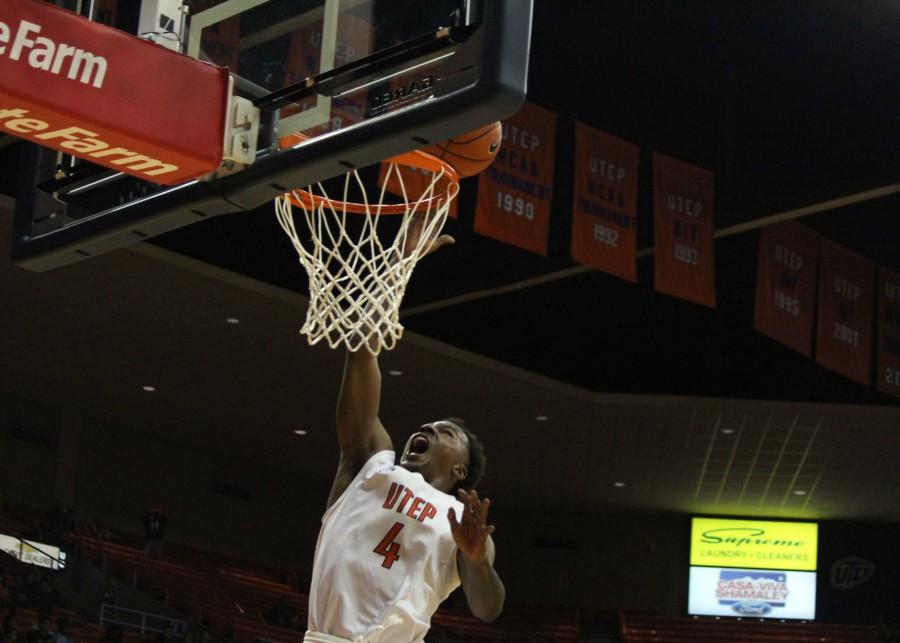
{"points": [[851, 572], [752, 593]]}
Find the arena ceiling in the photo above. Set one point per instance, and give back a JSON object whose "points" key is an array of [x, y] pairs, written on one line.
{"points": [[791, 104]]}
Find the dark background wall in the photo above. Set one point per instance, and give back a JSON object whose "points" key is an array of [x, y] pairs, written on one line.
{"points": [[250, 509]]}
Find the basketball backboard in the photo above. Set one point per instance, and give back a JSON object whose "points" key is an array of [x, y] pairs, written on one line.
{"points": [[361, 80]]}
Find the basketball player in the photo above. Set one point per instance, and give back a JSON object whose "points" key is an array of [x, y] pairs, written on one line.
{"points": [[394, 541]]}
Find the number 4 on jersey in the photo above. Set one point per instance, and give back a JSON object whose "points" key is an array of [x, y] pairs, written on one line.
{"points": [[388, 548]]}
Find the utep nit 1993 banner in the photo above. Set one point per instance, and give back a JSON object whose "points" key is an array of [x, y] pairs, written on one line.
{"points": [[684, 255]]}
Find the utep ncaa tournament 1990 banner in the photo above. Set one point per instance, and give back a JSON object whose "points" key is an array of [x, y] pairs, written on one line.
{"points": [[846, 288], [514, 194], [684, 255], [786, 285], [888, 332], [604, 206]]}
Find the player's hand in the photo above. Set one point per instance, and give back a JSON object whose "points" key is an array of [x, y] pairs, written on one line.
{"points": [[417, 225], [472, 531]]}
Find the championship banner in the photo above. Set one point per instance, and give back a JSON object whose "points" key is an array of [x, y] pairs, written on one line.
{"points": [[108, 97], [786, 285], [514, 194], [888, 332], [684, 257], [221, 41], [604, 205], [415, 180], [354, 41], [846, 288], [105, 12]]}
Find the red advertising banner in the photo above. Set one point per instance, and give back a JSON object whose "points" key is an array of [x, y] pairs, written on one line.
{"points": [[108, 97], [786, 285], [514, 193], [415, 181], [888, 332], [604, 205], [846, 290], [684, 257]]}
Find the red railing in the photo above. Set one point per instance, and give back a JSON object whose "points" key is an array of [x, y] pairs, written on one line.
{"points": [[655, 628]]}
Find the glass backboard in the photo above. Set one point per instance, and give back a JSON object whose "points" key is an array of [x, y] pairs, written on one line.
{"points": [[341, 84]]}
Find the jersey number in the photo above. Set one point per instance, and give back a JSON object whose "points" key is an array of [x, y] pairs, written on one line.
{"points": [[388, 548]]}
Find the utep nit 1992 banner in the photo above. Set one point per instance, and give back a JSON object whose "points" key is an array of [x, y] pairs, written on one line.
{"points": [[786, 285], [684, 255], [604, 204], [515, 193]]}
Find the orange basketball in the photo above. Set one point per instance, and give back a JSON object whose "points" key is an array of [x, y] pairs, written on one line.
{"points": [[470, 153]]}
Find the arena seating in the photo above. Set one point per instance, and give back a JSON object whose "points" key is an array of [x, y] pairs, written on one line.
{"points": [[235, 601], [655, 628], [78, 630]]}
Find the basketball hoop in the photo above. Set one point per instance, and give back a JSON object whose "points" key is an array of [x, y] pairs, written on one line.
{"points": [[357, 279]]}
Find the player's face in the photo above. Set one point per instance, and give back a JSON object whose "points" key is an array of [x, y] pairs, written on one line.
{"points": [[437, 450]]}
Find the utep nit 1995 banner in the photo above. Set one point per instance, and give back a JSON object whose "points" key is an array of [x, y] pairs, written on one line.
{"points": [[786, 285], [515, 193], [604, 204], [684, 255]]}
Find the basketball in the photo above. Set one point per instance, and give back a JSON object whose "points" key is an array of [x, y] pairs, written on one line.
{"points": [[471, 153]]}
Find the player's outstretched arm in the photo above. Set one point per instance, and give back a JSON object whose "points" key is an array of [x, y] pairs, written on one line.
{"points": [[359, 430], [484, 590]]}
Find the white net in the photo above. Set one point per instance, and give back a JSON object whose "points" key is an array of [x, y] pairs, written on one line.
{"points": [[359, 264]]}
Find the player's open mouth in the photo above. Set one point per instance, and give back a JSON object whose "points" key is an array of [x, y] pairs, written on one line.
{"points": [[419, 444]]}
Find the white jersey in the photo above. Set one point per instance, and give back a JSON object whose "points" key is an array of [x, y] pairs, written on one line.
{"points": [[385, 558]]}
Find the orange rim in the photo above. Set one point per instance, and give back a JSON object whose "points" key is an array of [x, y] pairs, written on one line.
{"points": [[418, 159]]}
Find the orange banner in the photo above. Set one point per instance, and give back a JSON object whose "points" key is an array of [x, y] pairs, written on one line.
{"points": [[684, 257], [888, 332], [514, 194], [604, 205], [220, 43], [786, 285], [415, 180], [846, 289], [354, 40]]}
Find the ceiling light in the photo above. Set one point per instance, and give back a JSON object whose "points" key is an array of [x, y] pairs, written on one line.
{"points": [[395, 373], [232, 320], [799, 492], [299, 432], [541, 418], [149, 389], [727, 431], [619, 484]]}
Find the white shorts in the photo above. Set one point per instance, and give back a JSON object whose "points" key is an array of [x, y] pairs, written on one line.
{"points": [[318, 637]]}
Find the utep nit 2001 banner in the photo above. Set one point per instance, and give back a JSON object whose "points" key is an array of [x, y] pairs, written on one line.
{"points": [[888, 332], [515, 193], [786, 285], [604, 205], [846, 289], [684, 255]]}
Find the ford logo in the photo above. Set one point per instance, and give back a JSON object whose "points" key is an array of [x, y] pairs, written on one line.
{"points": [[752, 608]]}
